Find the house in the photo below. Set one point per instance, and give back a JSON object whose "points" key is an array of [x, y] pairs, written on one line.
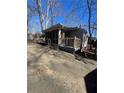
{"points": [[67, 38]]}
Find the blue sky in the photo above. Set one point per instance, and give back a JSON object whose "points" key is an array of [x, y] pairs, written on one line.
{"points": [[79, 18]]}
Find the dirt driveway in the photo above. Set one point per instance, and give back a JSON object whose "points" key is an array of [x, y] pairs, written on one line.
{"points": [[52, 71]]}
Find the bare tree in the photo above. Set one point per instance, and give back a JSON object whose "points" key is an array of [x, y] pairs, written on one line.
{"points": [[39, 9], [31, 11], [91, 6], [55, 8], [47, 13]]}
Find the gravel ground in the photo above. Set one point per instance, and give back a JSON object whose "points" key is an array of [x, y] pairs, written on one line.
{"points": [[55, 71]]}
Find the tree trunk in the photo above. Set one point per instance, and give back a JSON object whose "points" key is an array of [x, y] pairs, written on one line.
{"points": [[52, 19], [89, 21], [39, 8], [47, 13]]}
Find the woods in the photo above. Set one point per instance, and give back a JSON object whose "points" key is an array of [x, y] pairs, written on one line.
{"points": [[82, 13]]}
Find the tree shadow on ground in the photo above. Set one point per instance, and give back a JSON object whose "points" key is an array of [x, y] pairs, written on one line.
{"points": [[91, 82], [37, 57]]}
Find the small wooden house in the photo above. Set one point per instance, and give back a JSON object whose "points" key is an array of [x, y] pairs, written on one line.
{"points": [[67, 38]]}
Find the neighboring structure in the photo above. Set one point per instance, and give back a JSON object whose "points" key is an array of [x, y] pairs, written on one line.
{"points": [[30, 36], [72, 38], [35, 37]]}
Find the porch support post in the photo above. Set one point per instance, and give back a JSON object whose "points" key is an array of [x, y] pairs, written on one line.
{"points": [[74, 42], [59, 37]]}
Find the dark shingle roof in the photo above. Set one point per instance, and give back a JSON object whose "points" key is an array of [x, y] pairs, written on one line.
{"points": [[64, 28]]}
